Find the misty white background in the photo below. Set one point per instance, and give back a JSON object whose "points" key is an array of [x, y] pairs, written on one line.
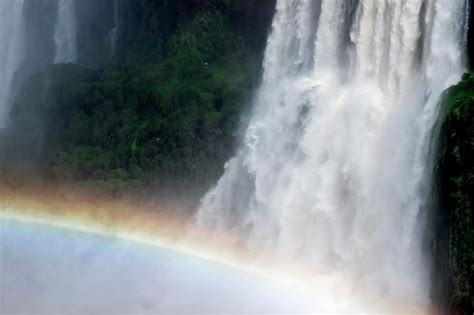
{"points": [[52, 270]]}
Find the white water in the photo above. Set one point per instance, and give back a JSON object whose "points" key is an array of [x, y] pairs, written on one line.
{"points": [[334, 162], [65, 33], [114, 32], [12, 51]]}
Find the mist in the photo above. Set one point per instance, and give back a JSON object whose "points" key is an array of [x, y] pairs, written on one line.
{"points": [[52, 270]]}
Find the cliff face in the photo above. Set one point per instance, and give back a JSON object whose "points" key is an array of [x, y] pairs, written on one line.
{"points": [[95, 22], [455, 237], [456, 173], [157, 112], [149, 20]]}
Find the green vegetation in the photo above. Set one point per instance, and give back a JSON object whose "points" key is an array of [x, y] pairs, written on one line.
{"points": [[156, 121], [457, 174]]}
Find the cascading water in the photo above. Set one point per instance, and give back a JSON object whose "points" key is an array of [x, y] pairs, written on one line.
{"points": [[65, 33], [12, 51], [115, 29], [334, 162], [13, 46], [35, 35]]}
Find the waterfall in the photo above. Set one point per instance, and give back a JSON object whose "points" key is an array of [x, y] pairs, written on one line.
{"points": [[12, 51], [65, 33], [115, 29], [333, 164], [30, 41]]}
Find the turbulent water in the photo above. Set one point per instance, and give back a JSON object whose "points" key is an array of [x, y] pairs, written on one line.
{"points": [[12, 50], [65, 34], [334, 166]]}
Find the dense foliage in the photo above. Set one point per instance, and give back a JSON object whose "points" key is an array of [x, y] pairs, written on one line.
{"points": [[457, 174], [162, 120], [151, 22]]}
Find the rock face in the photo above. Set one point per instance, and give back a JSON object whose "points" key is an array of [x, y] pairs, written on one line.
{"points": [[456, 168], [149, 18], [96, 22], [470, 35], [175, 74]]}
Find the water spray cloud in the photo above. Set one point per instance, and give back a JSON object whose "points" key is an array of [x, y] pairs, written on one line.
{"points": [[277, 284]]}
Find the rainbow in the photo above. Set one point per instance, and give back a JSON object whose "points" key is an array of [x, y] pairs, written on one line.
{"points": [[150, 224]]}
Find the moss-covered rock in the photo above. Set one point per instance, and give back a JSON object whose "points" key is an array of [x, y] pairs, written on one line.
{"points": [[457, 176]]}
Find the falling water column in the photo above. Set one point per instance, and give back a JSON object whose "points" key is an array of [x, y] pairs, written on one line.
{"points": [[65, 33], [12, 51], [333, 165]]}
